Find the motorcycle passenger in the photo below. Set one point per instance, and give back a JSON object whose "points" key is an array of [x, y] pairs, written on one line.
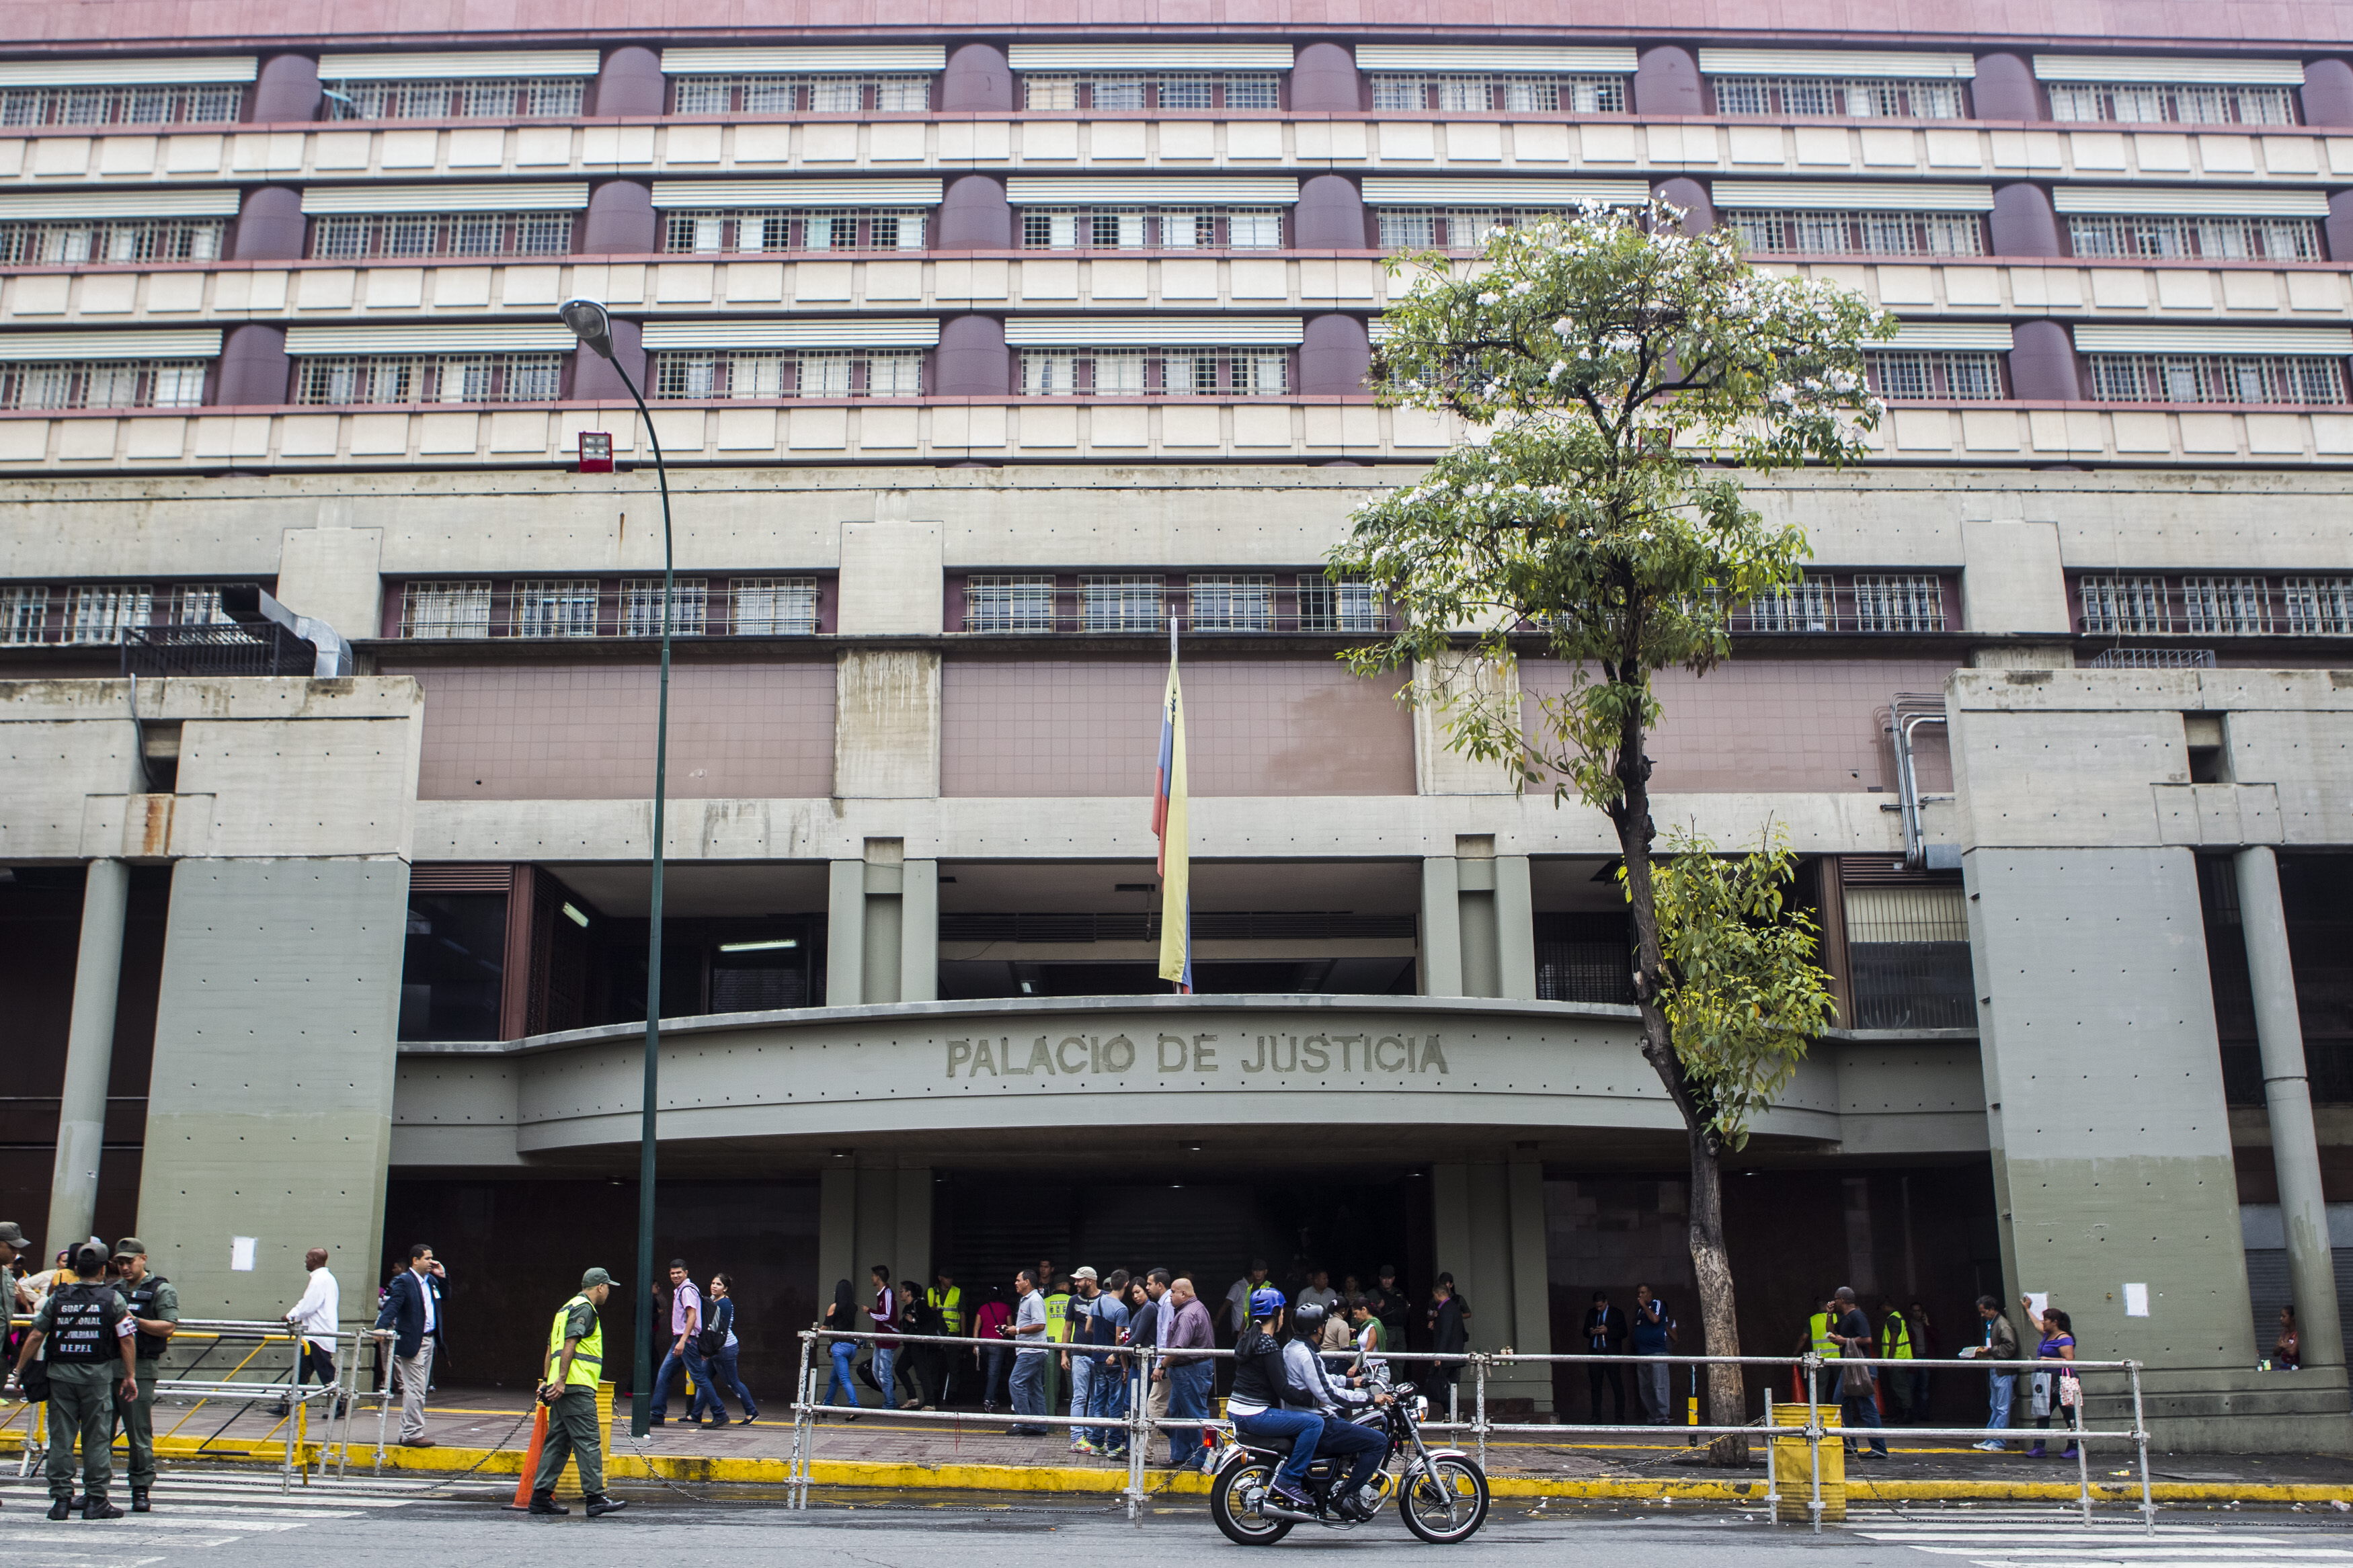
{"points": [[1263, 1387], [1333, 1398]]}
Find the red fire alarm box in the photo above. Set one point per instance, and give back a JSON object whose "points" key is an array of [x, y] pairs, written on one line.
{"points": [[596, 452]]}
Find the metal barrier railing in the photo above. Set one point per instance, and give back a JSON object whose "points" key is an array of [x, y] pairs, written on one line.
{"points": [[1143, 1361]]}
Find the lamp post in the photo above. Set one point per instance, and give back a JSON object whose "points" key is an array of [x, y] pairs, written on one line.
{"points": [[593, 325]]}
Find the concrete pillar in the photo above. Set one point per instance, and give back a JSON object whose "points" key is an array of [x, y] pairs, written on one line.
{"points": [[629, 82], [1531, 1282], [972, 360], [2042, 365], [2005, 89], [89, 1055], [919, 932], [878, 969], [2287, 1097], [1516, 928], [977, 78], [868, 1215], [975, 216], [1667, 81], [1323, 81], [886, 738], [836, 1238], [845, 933], [910, 1240], [2337, 227], [2328, 92], [285, 91], [2022, 221], [270, 226], [1442, 928], [255, 372], [1334, 354], [594, 379], [1475, 904], [1699, 207], [621, 220], [1329, 215], [334, 574]]}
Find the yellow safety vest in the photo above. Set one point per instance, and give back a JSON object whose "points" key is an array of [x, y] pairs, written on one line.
{"points": [[1899, 1343], [949, 1305], [1824, 1345], [1057, 1319], [588, 1356]]}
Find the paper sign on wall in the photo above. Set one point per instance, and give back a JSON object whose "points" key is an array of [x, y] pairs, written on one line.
{"points": [[2038, 1301], [2136, 1300], [240, 1254]]}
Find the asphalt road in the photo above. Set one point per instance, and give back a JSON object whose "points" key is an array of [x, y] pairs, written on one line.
{"points": [[242, 1521]]}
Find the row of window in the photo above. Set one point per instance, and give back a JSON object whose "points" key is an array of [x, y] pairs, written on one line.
{"points": [[156, 103], [2215, 378], [1487, 92], [1147, 89], [1816, 98], [785, 229], [1139, 602], [358, 235], [1152, 229], [787, 372], [58, 241], [484, 98], [102, 384], [33, 614], [359, 379], [628, 607], [2153, 605], [799, 94], [1857, 602], [1147, 373]]}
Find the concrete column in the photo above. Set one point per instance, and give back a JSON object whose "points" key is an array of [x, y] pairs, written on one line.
{"points": [[287, 90], [1323, 80], [919, 932], [335, 574], [2328, 92], [880, 960], [977, 78], [1329, 215], [2005, 89], [270, 225], [1474, 905], [1699, 207], [2287, 1097], [1516, 928], [2337, 227], [2043, 367], [1531, 1280], [2022, 221], [594, 380], [910, 1240], [975, 216], [1441, 930], [1667, 81], [845, 933], [89, 1055], [1333, 356], [837, 1235], [620, 221], [629, 82], [972, 360]]}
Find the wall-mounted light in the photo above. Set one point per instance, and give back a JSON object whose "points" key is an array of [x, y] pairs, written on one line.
{"points": [[576, 917], [759, 946]]}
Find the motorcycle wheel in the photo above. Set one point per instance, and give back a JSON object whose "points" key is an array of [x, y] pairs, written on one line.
{"points": [[1446, 1503], [1238, 1517]]}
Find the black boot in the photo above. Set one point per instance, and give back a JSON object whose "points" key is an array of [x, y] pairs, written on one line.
{"points": [[598, 1504], [139, 1499], [545, 1502], [61, 1508], [98, 1508]]}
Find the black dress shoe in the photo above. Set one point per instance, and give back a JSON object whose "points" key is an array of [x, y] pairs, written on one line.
{"points": [[139, 1503], [61, 1508], [545, 1502], [600, 1504], [98, 1508]]}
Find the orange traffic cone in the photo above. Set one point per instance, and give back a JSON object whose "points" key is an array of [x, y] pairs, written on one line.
{"points": [[531, 1457]]}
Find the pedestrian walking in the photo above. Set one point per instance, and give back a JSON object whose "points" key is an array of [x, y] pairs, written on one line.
{"points": [[949, 1361], [1449, 1335], [1032, 1352], [1191, 1376], [685, 1351], [2058, 1391], [843, 1318], [1895, 1345], [2000, 1343], [314, 1318], [882, 1319], [994, 1324], [569, 1374], [1653, 1334], [720, 1349], [412, 1309], [1108, 1325], [1603, 1333], [154, 1306], [1147, 1326], [90, 1364], [921, 1325], [1858, 1384], [1079, 1323]]}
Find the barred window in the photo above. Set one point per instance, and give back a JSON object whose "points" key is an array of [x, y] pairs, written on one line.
{"points": [[355, 379], [102, 612], [1407, 228], [2226, 606], [102, 384], [1121, 604], [762, 374], [1481, 93], [1802, 607], [490, 98], [1351, 604], [555, 607], [1129, 90], [23, 612], [787, 229], [1795, 232], [775, 607], [2195, 103], [1967, 375], [2125, 606], [196, 605], [1144, 228], [1229, 602], [1821, 96], [641, 606], [1898, 602], [826, 94], [2216, 378], [1174, 373], [344, 237], [156, 103], [997, 603], [111, 239], [445, 610], [2317, 606], [1452, 229], [2229, 238]]}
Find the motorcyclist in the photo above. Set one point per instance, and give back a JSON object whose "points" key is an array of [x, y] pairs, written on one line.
{"points": [[1333, 1398], [1270, 1402]]}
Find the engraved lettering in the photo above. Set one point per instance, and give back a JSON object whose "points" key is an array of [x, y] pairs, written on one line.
{"points": [[1258, 1062], [1431, 1053], [1039, 1057], [984, 1055], [1168, 1063], [1282, 1052], [1205, 1055], [1381, 1053], [1094, 1053], [959, 1053], [1348, 1044], [1062, 1054], [1316, 1054], [1118, 1054]]}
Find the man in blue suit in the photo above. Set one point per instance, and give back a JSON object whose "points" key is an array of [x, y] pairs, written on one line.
{"points": [[412, 1309]]}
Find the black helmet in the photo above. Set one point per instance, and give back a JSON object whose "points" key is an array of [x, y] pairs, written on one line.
{"points": [[1307, 1318]]}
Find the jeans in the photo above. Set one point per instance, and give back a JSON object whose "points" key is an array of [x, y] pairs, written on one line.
{"points": [[723, 1378], [1304, 1429], [1863, 1411], [1651, 1380], [691, 1361], [1366, 1446], [995, 1366], [2000, 1388], [1108, 1398], [1030, 1389], [1189, 1382], [845, 1353], [1082, 1384], [885, 1370]]}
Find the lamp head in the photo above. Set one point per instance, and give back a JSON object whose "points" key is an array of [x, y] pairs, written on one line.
{"points": [[591, 323]]}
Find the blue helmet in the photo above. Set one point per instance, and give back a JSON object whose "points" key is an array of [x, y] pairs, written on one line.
{"points": [[1265, 1301]]}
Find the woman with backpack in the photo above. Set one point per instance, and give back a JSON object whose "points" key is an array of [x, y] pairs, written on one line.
{"points": [[719, 1348]]}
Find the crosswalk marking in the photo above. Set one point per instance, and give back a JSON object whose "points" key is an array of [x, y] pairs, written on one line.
{"points": [[209, 1509], [2041, 1538]]}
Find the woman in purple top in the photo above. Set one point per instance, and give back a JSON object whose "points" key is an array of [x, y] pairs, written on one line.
{"points": [[2058, 1344]]}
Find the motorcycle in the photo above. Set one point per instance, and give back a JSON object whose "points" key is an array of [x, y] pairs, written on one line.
{"points": [[1441, 1493]]}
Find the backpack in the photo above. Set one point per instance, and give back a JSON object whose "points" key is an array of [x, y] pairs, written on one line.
{"points": [[712, 1338]]}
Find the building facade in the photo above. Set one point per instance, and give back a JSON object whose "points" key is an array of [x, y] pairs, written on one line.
{"points": [[978, 353]]}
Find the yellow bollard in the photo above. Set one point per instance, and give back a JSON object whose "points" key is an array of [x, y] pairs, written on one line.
{"points": [[567, 1485], [1793, 1465]]}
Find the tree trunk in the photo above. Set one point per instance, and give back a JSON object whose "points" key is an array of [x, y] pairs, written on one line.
{"points": [[1711, 1264]]}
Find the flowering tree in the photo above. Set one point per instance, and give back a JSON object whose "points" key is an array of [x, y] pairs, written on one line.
{"points": [[1624, 378]]}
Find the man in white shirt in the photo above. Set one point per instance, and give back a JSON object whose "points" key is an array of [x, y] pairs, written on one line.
{"points": [[1237, 1296], [1319, 1292], [1032, 1347], [314, 1318]]}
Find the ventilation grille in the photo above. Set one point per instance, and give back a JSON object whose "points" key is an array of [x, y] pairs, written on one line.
{"points": [[460, 879], [1272, 925]]}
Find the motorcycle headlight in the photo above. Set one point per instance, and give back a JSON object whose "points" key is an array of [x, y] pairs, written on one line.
{"points": [[1421, 1407]]}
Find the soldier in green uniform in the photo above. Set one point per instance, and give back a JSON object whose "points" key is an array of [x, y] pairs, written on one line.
{"points": [[156, 1306], [569, 1375], [90, 1329]]}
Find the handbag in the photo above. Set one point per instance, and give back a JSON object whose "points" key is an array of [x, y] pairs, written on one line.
{"points": [[2070, 1390], [2042, 1403], [1856, 1381]]}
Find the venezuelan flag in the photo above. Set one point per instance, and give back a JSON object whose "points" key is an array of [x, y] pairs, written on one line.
{"points": [[1168, 821]]}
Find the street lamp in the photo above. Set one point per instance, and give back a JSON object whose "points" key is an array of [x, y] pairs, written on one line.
{"points": [[593, 325]]}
